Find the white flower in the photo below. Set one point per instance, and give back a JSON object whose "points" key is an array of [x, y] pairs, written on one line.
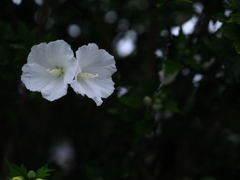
{"points": [[17, 2], [50, 68], [93, 77]]}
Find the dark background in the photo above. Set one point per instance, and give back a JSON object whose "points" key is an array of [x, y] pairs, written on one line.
{"points": [[189, 131]]}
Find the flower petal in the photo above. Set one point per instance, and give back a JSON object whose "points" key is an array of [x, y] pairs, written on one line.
{"points": [[95, 89], [51, 55], [42, 60], [105, 86], [84, 52], [37, 78], [82, 87], [99, 63], [95, 61], [55, 90], [70, 68]]}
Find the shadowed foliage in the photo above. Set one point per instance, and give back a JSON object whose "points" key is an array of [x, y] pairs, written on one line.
{"points": [[174, 114]]}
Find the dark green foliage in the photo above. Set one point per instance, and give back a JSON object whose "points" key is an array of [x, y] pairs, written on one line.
{"points": [[187, 130], [17, 171], [43, 172], [231, 24], [21, 171]]}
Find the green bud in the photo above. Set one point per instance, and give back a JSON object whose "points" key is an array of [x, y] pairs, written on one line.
{"points": [[31, 174], [181, 46], [38, 179], [163, 96], [147, 100], [187, 52], [157, 107], [18, 178], [157, 101]]}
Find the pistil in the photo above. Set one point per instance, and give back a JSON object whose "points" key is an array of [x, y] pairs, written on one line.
{"points": [[84, 75], [56, 71]]}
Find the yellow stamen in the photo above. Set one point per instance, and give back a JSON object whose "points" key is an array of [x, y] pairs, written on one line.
{"points": [[56, 72], [84, 75]]}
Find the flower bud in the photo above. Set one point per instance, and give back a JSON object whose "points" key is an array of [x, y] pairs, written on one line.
{"points": [[31, 174], [157, 101], [39, 179], [157, 107], [147, 100], [18, 178]]}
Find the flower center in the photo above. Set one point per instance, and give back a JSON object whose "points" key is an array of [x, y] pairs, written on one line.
{"points": [[56, 71], [84, 75]]}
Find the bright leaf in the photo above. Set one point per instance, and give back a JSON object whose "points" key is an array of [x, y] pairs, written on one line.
{"points": [[43, 172], [16, 171]]}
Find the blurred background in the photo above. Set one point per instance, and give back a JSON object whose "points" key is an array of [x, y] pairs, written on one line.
{"points": [[174, 114]]}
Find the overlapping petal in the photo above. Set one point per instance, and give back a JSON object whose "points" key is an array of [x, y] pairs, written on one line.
{"points": [[101, 65], [51, 67], [41, 60]]}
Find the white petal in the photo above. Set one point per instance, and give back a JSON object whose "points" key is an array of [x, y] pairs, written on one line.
{"points": [[59, 52], [55, 90], [82, 87], [70, 69], [84, 52], [105, 86], [95, 61], [45, 57], [51, 55], [17, 2], [96, 88], [37, 78]]}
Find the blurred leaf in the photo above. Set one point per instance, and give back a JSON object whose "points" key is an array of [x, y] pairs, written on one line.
{"points": [[235, 3], [171, 105], [234, 18], [213, 45], [26, 35], [43, 172], [16, 171], [188, 1], [160, 4], [208, 178], [131, 101], [170, 67], [237, 46], [220, 17], [92, 171], [3, 52], [141, 128], [191, 62], [231, 31], [18, 46]]}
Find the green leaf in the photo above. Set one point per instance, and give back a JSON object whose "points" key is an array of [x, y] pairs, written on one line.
{"points": [[18, 46], [188, 1], [171, 67], [132, 101], [220, 17], [191, 62], [231, 31], [160, 4], [43, 172], [16, 171], [237, 46], [234, 18], [171, 105], [235, 3]]}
